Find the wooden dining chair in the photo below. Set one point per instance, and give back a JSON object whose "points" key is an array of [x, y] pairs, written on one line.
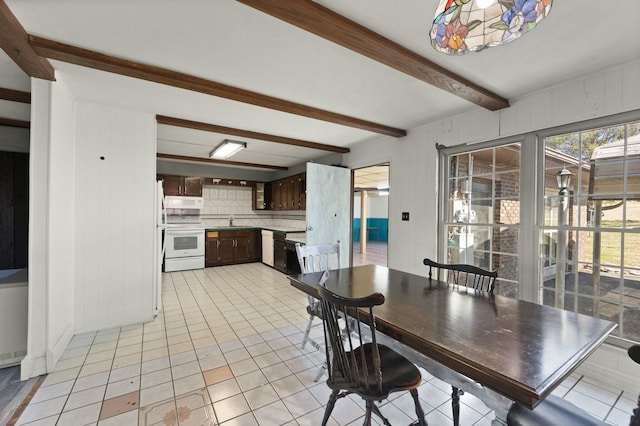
{"points": [[316, 258], [469, 276], [367, 369]]}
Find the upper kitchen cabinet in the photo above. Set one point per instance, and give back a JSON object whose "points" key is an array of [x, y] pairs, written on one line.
{"points": [[288, 193], [182, 185], [261, 196]]}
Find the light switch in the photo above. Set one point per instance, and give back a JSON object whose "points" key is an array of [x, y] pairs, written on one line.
{"points": [[405, 216]]}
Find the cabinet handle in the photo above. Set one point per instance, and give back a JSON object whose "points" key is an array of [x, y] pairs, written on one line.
{"points": [[218, 244]]}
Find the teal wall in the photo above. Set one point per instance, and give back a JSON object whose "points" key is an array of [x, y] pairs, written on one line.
{"points": [[373, 222]]}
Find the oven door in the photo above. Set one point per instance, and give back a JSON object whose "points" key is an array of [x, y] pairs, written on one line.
{"points": [[184, 243]]}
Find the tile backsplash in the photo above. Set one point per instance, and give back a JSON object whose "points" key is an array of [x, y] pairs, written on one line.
{"points": [[221, 202]]}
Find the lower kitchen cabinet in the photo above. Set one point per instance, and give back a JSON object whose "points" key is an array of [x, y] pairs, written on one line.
{"points": [[285, 258], [231, 247]]}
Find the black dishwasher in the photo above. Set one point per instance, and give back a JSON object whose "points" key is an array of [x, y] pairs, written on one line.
{"points": [[279, 252]]}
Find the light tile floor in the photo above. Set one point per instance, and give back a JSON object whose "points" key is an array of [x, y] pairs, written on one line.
{"points": [[225, 351], [376, 253]]}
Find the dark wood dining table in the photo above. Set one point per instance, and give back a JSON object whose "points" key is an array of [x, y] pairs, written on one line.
{"points": [[500, 349]]}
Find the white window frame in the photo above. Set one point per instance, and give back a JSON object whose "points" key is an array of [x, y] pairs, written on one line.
{"points": [[531, 210]]}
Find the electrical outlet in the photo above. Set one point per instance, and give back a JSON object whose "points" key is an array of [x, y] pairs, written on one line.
{"points": [[405, 215]]}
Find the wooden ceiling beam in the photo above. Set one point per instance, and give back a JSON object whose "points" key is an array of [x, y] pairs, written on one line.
{"points": [[14, 123], [171, 121], [216, 161], [15, 95], [14, 41], [91, 59], [324, 22]]}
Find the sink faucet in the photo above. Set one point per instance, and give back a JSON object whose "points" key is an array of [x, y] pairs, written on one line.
{"points": [[230, 220]]}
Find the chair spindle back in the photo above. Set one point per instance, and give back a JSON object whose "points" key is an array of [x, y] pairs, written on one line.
{"points": [[466, 275]]}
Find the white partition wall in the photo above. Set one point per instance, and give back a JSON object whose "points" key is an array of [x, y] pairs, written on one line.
{"points": [[114, 212]]}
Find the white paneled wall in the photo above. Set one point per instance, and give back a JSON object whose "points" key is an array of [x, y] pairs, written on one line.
{"points": [[413, 166], [114, 209], [413, 159], [61, 222]]}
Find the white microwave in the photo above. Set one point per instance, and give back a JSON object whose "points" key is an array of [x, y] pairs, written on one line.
{"points": [[176, 202], [183, 209]]}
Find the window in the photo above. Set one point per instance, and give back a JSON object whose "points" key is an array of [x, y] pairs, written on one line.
{"points": [[575, 246], [590, 235], [483, 212]]}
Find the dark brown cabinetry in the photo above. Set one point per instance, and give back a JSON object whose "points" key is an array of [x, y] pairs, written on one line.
{"points": [[288, 193], [285, 258], [233, 246], [182, 186], [256, 246]]}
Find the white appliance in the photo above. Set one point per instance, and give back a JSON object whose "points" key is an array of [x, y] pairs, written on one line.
{"points": [[183, 210], [184, 248], [184, 236], [267, 247], [161, 224]]}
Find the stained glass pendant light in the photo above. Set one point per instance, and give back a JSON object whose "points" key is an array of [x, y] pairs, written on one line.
{"points": [[462, 26]]}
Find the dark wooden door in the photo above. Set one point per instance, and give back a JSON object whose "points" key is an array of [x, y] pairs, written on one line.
{"points": [[295, 192], [285, 194], [243, 249], [192, 187], [226, 250], [212, 255], [256, 246], [172, 185]]}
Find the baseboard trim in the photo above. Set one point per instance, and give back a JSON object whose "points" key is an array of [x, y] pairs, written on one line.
{"points": [[33, 366], [611, 365], [54, 354]]}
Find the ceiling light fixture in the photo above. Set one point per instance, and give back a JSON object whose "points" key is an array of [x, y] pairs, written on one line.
{"points": [[227, 149], [462, 26]]}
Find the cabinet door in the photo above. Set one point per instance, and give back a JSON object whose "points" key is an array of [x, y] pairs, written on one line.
{"points": [[192, 187], [285, 195], [295, 192], [256, 246], [212, 256], [275, 195], [302, 178], [259, 196], [172, 185], [243, 249], [227, 250]]}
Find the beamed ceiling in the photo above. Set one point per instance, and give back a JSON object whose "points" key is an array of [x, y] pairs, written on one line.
{"points": [[296, 80]]}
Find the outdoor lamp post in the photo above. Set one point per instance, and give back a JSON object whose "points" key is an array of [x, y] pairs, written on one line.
{"points": [[564, 180]]}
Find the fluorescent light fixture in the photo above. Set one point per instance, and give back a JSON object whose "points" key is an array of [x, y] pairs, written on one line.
{"points": [[227, 149]]}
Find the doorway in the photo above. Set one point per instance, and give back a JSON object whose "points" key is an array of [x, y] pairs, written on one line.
{"points": [[371, 215]]}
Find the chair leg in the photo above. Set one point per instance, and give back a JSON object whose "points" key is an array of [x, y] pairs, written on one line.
{"points": [[321, 372], [306, 332], [330, 405], [419, 412], [376, 411], [367, 415], [455, 405]]}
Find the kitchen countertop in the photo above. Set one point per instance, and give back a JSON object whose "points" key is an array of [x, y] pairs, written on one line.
{"points": [[249, 227], [296, 239]]}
